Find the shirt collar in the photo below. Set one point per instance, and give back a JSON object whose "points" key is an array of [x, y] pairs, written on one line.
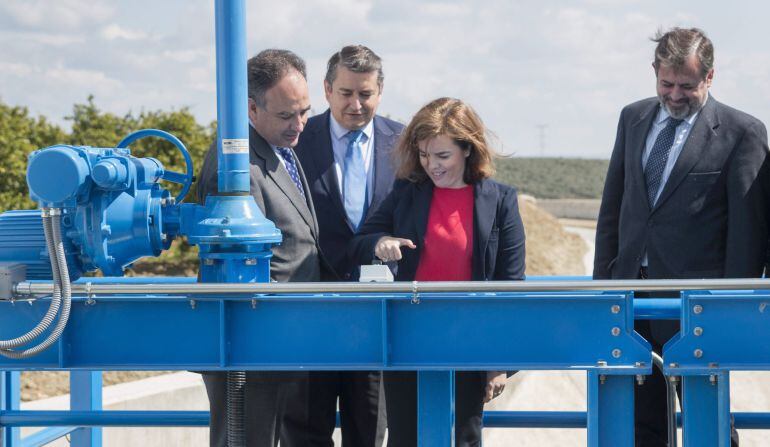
{"points": [[663, 114], [339, 132]]}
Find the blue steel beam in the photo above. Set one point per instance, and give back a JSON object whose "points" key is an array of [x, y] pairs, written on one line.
{"points": [[45, 437], [86, 394], [610, 421], [441, 332], [111, 418], [721, 332], [435, 408]]}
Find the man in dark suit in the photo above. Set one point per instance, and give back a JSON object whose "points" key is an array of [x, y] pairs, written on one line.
{"points": [[278, 109], [684, 195], [345, 152]]}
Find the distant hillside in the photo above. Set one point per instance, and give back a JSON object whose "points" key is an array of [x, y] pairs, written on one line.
{"points": [[554, 178]]}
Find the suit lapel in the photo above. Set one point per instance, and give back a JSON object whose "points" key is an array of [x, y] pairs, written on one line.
{"points": [[324, 158], [638, 135], [281, 178], [383, 168], [696, 144], [484, 214], [423, 194]]}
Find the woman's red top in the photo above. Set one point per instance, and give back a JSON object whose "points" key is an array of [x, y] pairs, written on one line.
{"points": [[447, 252]]}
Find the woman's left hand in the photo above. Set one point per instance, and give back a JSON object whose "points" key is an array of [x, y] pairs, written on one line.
{"points": [[495, 384]]}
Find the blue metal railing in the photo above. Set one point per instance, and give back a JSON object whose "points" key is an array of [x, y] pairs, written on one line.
{"points": [[721, 316]]}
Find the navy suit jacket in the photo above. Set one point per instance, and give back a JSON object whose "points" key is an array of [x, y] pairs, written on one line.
{"points": [[498, 233], [710, 220], [316, 155]]}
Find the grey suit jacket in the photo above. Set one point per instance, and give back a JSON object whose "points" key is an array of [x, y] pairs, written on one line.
{"points": [[298, 257], [710, 220]]}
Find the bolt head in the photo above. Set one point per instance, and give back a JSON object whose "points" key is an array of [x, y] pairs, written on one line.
{"points": [[615, 309], [615, 331], [697, 309], [698, 331], [698, 353], [616, 353]]}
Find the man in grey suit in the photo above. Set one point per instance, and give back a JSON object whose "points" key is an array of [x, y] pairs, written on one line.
{"points": [[278, 110], [685, 196], [327, 150]]}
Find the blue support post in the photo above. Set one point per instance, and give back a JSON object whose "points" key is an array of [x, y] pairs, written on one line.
{"points": [[706, 410], [232, 102], [86, 394], [435, 408], [10, 395], [610, 419]]}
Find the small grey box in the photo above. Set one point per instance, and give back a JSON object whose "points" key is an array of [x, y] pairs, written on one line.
{"points": [[10, 274]]}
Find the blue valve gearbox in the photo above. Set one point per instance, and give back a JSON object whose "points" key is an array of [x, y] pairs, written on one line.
{"points": [[114, 209]]}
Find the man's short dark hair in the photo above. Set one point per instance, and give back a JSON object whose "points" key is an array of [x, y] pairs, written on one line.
{"points": [[267, 68], [356, 58], [676, 45]]}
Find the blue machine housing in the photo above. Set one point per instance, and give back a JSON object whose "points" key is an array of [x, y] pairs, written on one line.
{"points": [[113, 210]]}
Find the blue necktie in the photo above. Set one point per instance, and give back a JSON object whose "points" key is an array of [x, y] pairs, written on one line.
{"points": [[656, 163], [291, 167], [354, 179]]}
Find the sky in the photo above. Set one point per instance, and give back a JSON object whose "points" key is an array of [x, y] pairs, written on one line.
{"points": [[548, 78]]}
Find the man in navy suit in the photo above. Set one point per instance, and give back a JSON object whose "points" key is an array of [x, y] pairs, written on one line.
{"points": [[345, 153], [685, 196]]}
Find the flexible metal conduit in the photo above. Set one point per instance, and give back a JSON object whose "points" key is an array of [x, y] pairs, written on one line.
{"points": [[61, 286], [28, 288]]}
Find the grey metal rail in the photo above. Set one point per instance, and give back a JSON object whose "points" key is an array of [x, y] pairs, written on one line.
{"points": [[27, 288]]}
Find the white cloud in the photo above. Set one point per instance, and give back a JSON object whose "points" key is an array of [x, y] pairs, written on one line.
{"points": [[60, 14], [114, 31]]}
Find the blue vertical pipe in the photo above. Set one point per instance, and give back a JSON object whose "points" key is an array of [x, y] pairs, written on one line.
{"points": [[10, 397], [232, 97], [86, 394]]}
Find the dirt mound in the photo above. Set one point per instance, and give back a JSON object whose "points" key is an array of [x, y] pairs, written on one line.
{"points": [[550, 249]]}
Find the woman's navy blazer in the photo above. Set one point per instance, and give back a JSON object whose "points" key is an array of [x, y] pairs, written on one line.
{"points": [[498, 233]]}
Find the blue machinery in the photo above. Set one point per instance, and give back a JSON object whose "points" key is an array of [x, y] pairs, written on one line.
{"points": [[103, 208]]}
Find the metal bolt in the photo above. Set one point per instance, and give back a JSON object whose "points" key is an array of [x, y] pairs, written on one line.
{"points": [[615, 308], [616, 353], [698, 353], [713, 365], [673, 365], [615, 331], [602, 379], [163, 237], [253, 303], [208, 262], [251, 262], [698, 331], [713, 379], [697, 309], [639, 364], [601, 363], [640, 379], [192, 304]]}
